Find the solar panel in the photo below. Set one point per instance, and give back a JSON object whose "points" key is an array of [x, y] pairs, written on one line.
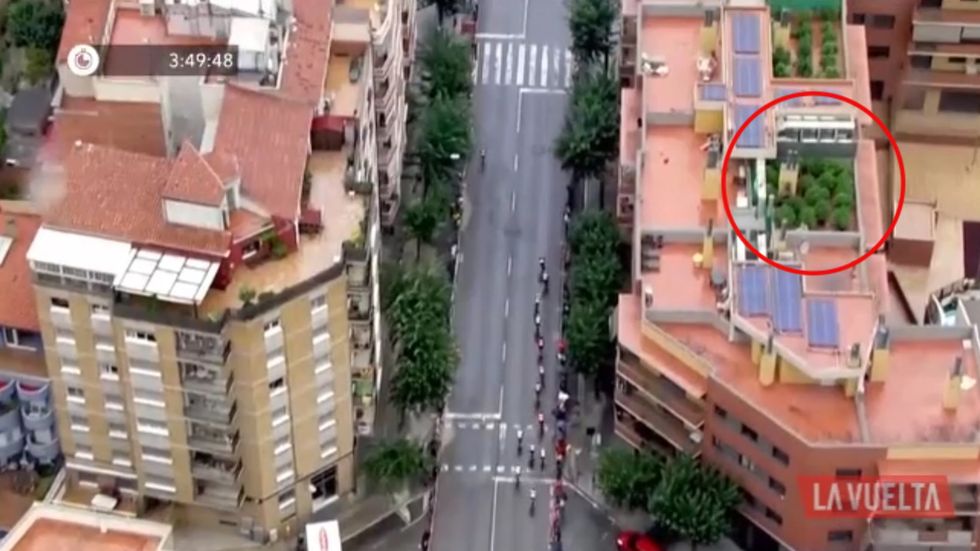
{"points": [[795, 102], [822, 100], [746, 30], [753, 291], [748, 77], [822, 326], [789, 298], [713, 92], [752, 136]]}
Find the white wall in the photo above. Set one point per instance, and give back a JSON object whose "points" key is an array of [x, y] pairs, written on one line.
{"points": [[190, 214], [75, 86], [124, 89]]}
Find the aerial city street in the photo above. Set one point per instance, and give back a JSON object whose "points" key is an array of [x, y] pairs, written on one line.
{"points": [[489, 275]]}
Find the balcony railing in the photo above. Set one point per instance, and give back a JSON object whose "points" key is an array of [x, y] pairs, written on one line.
{"points": [[206, 380], [218, 496], [201, 347], [212, 440], [206, 467], [44, 451], [671, 429], [673, 399], [32, 392], [36, 416], [215, 411]]}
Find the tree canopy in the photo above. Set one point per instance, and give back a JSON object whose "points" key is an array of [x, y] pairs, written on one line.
{"points": [[591, 25], [627, 478], [444, 138], [396, 463], [590, 137], [35, 23], [694, 501], [446, 66]]}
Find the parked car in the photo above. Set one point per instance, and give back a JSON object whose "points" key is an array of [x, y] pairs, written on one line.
{"points": [[636, 541]]}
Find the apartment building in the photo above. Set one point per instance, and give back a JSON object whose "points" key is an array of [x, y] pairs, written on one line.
{"points": [[27, 433], [45, 527], [766, 374], [205, 275]]}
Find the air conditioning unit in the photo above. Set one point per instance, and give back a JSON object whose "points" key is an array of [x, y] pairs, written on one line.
{"points": [[653, 65]]}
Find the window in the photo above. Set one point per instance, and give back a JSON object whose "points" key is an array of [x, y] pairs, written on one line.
{"points": [[280, 416], [75, 394], [877, 89], [12, 336], [84, 452], [956, 101], [286, 474], [840, 536], [721, 412], [121, 459], [278, 384], [149, 398], [847, 473], [780, 455], [132, 334], [109, 371], [750, 434], [318, 303], [774, 516], [931, 3], [79, 423], [282, 445], [882, 21], [777, 486], [957, 60], [287, 499], [857, 18], [100, 310], [920, 61], [251, 249], [152, 427], [118, 430], [156, 455], [59, 302], [878, 52], [746, 462], [160, 484], [323, 487], [272, 326]]}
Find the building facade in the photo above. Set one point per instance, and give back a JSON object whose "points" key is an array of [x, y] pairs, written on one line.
{"points": [[767, 374], [213, 351]]}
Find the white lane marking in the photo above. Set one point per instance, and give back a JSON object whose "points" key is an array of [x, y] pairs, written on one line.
{"points": [[556, 65], [521, 50], [524, 33], [488, 426], [471, 416], [569, 68], [493, 517], [486, 468], [503, 354], [510, 63], [500, 468], [513, 200], [532, 65], [507, 307], [475, 426], [486, 62], [458, 468], [544, 67], [517, 156], [498, 36], [472, 468], [498, 65], [510, 264], [445, 468]]}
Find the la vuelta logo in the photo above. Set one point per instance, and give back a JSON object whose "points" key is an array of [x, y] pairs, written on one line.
{"points": [[884, 496]]}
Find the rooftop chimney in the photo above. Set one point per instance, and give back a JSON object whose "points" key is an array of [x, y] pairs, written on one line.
{"points": [[954, 386]]}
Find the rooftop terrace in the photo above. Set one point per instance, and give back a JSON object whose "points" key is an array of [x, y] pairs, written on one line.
{"points": [[676, 40], [55, 528]]}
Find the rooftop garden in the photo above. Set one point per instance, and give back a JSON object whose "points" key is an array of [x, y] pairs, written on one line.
{"points": [[824, 197], [812, 49]]}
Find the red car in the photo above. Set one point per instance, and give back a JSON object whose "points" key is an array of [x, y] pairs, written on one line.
{"points": [[636, 541]]}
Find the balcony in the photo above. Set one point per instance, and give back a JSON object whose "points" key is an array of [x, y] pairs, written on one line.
{"points": [[9, 418], [198, 406], [6, 390], [359, 308], [207, 467], [225, 497], [33, 392], [631, 430], [208, 348], [45, 451], [205, 379], [966, 498], [10, 447], [667, 426], [212, 440], [36, 416], [947, 535], [662, 391]]}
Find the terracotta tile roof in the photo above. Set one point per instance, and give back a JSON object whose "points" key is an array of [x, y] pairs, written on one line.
{"points": [[84, 24], [307, 51], [245, 223], [115, 193], [193, 180], [270, 136], [17, 307], [136, 127], [225, 166]]}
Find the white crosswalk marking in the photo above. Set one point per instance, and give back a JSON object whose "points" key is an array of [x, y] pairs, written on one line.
{"points": [[520, 64], [498, 65], [486, 62], [532, 71], [569, 67], [544, 67]]}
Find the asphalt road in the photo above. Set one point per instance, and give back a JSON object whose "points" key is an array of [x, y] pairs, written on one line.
{"points": [[522, 73]]}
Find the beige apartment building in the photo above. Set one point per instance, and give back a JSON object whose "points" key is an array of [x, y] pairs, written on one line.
{"points": [[206, 269]]}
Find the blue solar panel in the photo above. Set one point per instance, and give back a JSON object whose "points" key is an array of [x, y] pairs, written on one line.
{"points": [[748, 77], [789, 297], [752, 136], [746, 31], [822, 327], [754, 291], [795, 102], [821, 100], [713, 92]]}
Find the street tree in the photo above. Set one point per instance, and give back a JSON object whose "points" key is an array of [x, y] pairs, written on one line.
{"points": [[589, 344], [627, 478], [395, 464], [446, 66], [591, 25], [35, 23], [594, 232], [422, 220], [590, 137], [694, 501], [444, 138]]}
